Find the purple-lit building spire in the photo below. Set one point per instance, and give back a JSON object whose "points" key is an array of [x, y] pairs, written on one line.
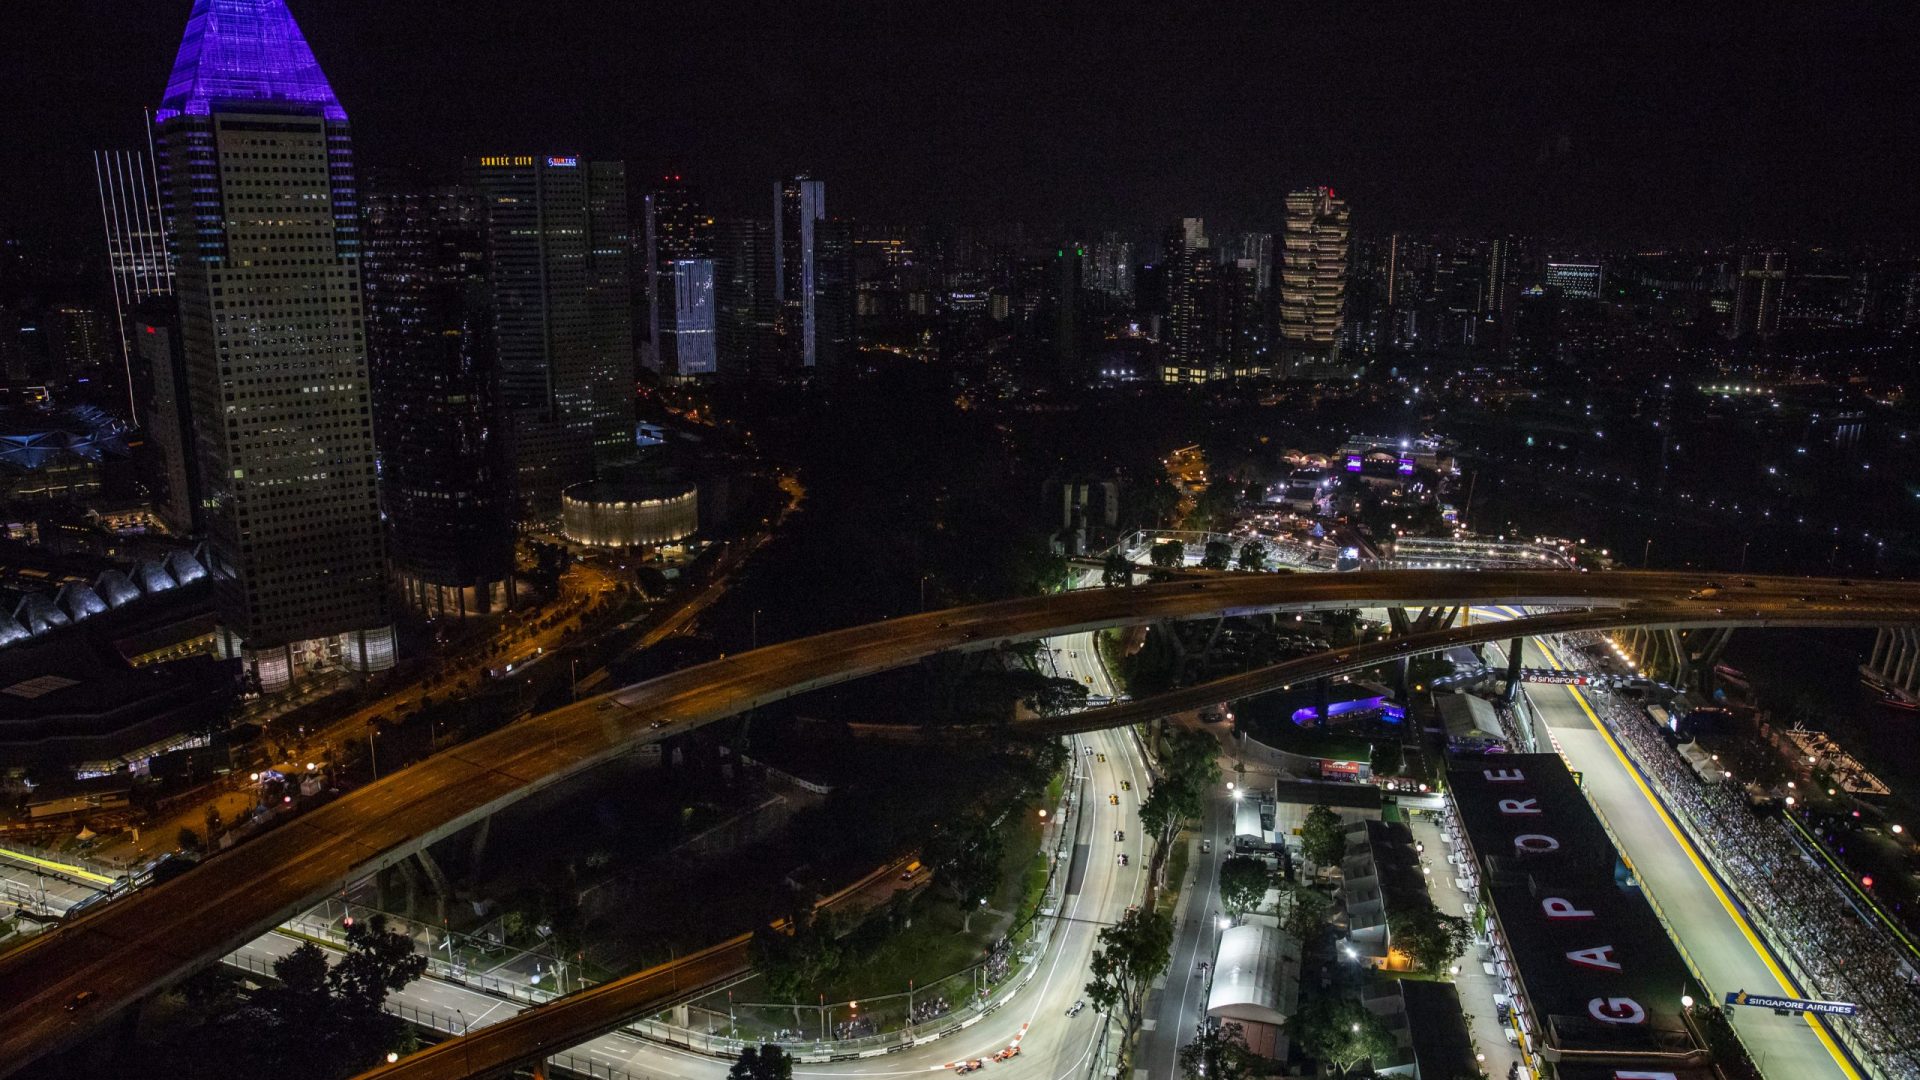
{"points": [[241, 52]]}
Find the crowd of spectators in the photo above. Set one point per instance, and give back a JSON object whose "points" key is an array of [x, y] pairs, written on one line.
{"points": [[857, 1028], [1800, 904], [932, 1008]]}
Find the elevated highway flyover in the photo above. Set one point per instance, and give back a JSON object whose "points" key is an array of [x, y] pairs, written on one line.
{"points": [[124, 950]]}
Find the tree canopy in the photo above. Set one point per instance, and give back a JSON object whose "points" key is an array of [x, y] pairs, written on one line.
{"points": [[1216, 556], [1218, 1052], [1132, 953], [1342, 1033], [797, 958], [1306, 914], [1244, 881], [1430, 939], [1253, 555], [966, 862], [318, 1021], [1167, 554], [1189, 766], [1322, 840], [767, 1062]]}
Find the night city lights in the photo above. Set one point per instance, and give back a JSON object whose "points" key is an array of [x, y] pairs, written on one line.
{"points": [[755, 543]]}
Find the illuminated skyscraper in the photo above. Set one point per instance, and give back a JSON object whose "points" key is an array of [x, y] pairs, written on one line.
{"points": [[1493, 296], [443, 485], [746, 312], [798, 203], [137, 264], [678, 261], [836, 343], [1757, 294], [1313, 281], [1191, 328], [257, 178], [561, 246], [1109, 268], [1581, 281]]}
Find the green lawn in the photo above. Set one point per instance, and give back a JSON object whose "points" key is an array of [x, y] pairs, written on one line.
{"points": [[934, 946]]}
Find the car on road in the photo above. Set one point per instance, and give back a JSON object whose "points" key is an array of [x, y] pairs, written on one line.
{"points": [[1126, 785], [1206, 847], [1119, 836], [1113, 800], [1101, 758], [1123, 858], [966, 1067], [81, 1000], [1077, 1007], [1009, 1052]]}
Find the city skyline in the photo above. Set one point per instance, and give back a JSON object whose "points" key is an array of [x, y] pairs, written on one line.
{"points": [[1464, 122], [1234, 546]]}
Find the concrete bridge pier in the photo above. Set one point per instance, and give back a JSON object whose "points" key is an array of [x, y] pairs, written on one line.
{"points": [[1513, 671], [1895, 662], [437, 880], [1684, 658]]}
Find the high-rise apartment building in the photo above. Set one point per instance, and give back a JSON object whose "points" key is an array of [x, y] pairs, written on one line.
{"points": [[799, 203], [1313, 281], [1191, 329], [1108, 269], [264, 221], [443, 485], [1757, 295], [678, 262], [560, 244], [1257, 248], [1243, 322], [1579, 280], [1493, 295], [138, 267]]}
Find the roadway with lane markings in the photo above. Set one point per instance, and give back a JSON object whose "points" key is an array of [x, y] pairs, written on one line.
{"points": [[1720, 944], [129, 947], [1053, 1046]]}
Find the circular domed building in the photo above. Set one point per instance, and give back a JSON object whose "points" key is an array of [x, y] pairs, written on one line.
{"points": [[623, 512]]}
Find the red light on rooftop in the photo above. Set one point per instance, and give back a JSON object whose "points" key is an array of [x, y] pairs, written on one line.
{"points": [[1867, 880]]}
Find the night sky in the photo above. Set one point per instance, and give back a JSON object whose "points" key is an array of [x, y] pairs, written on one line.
{"points": [[1629, 127]]}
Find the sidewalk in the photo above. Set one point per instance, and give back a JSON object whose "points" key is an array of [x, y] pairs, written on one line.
{"points": [[1475, 984]]}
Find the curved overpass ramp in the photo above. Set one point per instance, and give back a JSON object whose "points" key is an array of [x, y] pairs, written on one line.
{"points": [[539, 1033], [137, 944]]}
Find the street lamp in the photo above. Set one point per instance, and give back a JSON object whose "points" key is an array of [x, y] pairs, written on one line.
{"points": [[1686, 1001], [1224, 923], [392, 1057]]}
